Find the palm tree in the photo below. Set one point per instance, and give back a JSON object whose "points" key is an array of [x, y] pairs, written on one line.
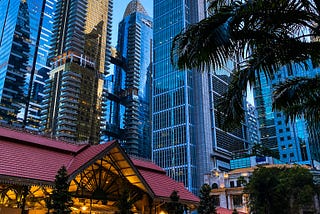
{"points": [[261, 36]]}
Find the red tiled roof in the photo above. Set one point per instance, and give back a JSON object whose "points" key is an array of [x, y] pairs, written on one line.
{"points": [[162, 185], [29, 156], [87, 155], [23, 137], [222, 210]]}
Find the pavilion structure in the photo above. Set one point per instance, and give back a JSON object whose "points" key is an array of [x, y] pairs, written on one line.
{"points": [[100, 176]]}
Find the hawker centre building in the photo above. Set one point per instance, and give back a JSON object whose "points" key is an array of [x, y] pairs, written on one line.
{"points": [[98, 175]]}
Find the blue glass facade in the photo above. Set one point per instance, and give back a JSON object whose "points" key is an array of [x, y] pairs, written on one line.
{"points": [[292, 140], [25, 31], [129, 117], [174, 146]]}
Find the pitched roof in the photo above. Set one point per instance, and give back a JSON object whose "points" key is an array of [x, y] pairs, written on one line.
{"points": [[162, 185], [37, 159]]}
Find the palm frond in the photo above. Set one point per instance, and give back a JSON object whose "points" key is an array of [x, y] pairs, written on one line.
{"points": [[261, 35], [299, 97]]}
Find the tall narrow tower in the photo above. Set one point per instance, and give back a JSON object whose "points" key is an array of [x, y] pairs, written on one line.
{"points": [[132, 81], [72, 105], [174, 145]]}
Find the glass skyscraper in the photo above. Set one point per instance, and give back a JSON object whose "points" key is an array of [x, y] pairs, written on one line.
{"points": [[188, 140], [80, 58], [174, 146], [131, 114], [293, 140], [25, 33]]}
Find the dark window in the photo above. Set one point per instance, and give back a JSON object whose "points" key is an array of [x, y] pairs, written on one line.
{"points": [[231, 183], [284, 155], [237, 200]]}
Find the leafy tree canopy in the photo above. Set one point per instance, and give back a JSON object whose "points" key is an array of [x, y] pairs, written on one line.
{"points": [[280, 190]]}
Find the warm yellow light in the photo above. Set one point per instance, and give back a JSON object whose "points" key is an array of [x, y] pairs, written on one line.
{"points": [[84, 208], [162, 212]]}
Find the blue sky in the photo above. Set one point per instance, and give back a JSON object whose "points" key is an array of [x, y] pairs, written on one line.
{"points": [[119, 7]]}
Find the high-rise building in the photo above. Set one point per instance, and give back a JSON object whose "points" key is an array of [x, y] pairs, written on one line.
{"points": [[174, 146], [252, 125], [80, 57], [25, 31], [188, 140], [293, 140], [129, 109]]}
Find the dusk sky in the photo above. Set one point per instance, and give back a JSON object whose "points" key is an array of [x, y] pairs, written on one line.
{"points": [[119, 7]]}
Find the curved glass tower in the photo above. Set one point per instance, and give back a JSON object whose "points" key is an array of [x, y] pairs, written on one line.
{"points": [[132, 82]]}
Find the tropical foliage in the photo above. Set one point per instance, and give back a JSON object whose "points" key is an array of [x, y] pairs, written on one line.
{"points": [[206, 200], [261, 36], [280, 190]]}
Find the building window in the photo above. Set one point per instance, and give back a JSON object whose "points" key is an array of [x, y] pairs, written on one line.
{"points": [[231, 183], [289, 137], [281, 138], [237, 200], [280, 130], [284, 155], [291, 155]]}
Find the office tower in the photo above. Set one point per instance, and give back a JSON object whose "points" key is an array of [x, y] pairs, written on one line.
{"points": [[293, 140], [188, 141], [79, 56], [132, 82], [25, 31], [252, 125]]}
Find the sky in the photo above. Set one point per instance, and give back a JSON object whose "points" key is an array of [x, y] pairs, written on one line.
{"points": [[119, 6]]}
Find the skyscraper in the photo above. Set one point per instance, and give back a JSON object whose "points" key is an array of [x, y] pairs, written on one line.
{"points": [[25, 31], [293, 140], [132, 82], [174, 146], [79, 55], [188, 140]]}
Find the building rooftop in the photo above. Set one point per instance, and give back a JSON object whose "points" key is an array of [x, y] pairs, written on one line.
{"points": [[33, 159], [134, 6]]}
